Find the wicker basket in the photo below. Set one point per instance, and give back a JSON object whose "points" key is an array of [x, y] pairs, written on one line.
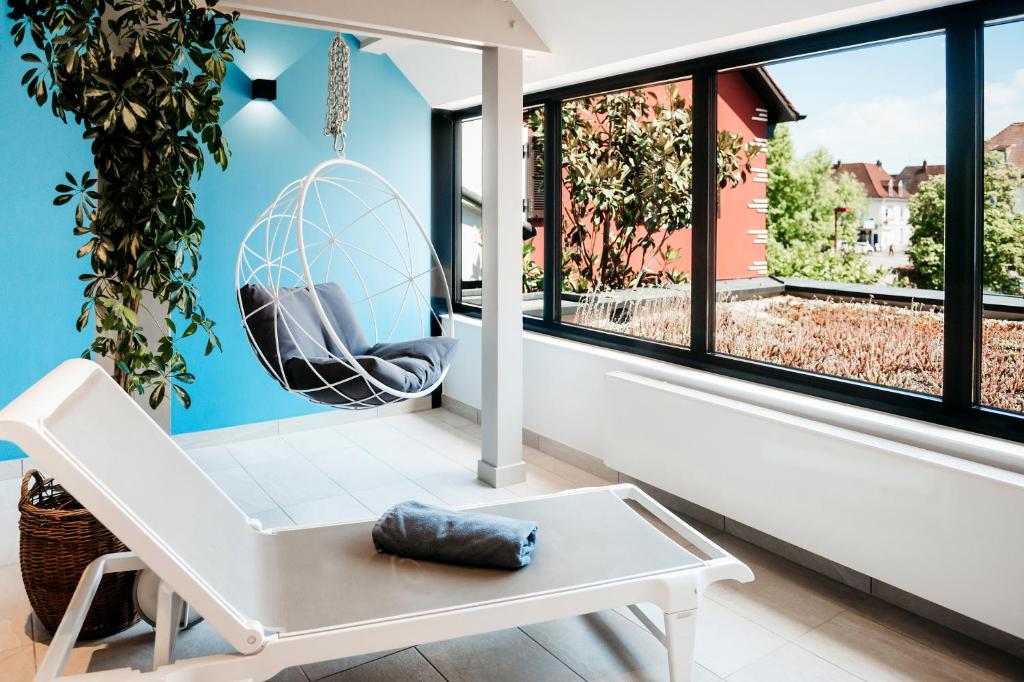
{"points": [[59, 538]]}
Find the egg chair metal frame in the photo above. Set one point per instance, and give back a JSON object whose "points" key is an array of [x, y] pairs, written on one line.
{"points": [[260, 265], [289, 212]]}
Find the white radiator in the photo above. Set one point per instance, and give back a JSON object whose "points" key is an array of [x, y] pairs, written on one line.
{"points": [[941, 527]]}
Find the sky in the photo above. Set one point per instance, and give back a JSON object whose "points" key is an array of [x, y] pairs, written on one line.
{"points": [[886, 102]]}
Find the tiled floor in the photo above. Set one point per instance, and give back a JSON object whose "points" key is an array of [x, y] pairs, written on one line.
{"points": [[789, 625]]}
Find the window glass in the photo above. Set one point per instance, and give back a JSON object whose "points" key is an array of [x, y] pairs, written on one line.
{"points": [[1002, 360], [471, 210], [831, 223], [626, 212]]}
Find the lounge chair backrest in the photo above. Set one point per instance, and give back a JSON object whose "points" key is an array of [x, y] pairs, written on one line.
{"points": [[80, 427]]}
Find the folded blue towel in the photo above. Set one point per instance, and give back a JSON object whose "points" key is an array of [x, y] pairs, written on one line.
{"points": [[422, 531]]}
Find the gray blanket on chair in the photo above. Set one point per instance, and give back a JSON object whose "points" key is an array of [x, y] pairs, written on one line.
{"points": [[422, 531]]}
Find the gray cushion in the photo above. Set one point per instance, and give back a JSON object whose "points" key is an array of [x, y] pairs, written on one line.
{"points": [[292, 343], [406, 366]]}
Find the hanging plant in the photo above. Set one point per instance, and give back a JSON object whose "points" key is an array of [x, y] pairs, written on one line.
{"points": [[143, 80]]}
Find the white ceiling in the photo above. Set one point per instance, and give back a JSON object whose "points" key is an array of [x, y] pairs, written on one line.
{"points": [[594, 38]]}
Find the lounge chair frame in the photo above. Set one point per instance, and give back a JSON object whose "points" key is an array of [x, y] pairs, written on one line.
{"points": [[261, 654]]}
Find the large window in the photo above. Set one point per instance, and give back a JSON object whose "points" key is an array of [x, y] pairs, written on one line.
{"points": [[471, 212], [1002, 360], [830, 221], [627, 172], [806, 213]]}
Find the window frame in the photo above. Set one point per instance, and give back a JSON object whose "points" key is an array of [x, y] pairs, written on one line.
{"points": [[962, 27]]}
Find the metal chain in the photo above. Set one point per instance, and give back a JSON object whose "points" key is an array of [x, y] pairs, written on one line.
{"points": [[337, 93]]}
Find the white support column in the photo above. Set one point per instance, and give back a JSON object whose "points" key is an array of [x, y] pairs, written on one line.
{"points": [[502, 371]]}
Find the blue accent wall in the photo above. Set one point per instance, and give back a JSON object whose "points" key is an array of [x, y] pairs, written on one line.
{"points": [[272, 144], [40, 295]]}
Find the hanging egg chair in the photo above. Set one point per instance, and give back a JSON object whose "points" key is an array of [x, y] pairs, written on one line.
{"points": [[339, 286]]}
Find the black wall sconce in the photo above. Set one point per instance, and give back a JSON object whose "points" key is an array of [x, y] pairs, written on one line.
{"points": [[265, 89]]}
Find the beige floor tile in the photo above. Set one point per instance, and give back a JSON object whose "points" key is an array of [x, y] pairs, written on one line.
{"points": [[556, 466], [785, 598], [370, 432], [457, 446], [407, 665], [329, 439], [378, 500], [504, 656], [17, 665], [318, 671], [461, 488], [246, 493], [412, 458], [727, 642], [15, 611], [213, 458], [417, 424], [292, 480], [942, 639], [260, 450], [879, 654], [355, 469], [342, 507], [449, 418], [540, 482], [792, 664], [605, 646]]}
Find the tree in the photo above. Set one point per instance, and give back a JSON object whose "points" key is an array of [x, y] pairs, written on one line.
{"points": [[627, 172], [802, 197], [143, 81], [1003, 256]]}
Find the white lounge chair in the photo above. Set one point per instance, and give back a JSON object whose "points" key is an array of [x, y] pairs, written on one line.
{"points": [[293, 596]]}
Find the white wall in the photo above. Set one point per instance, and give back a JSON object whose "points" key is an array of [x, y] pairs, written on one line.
{"points": [[564, 400]]}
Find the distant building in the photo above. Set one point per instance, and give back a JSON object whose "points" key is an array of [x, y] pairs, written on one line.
{"points": [[885, 222], [1010, 143]]}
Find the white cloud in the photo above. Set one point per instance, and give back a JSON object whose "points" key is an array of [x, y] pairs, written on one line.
{"points": [[898, 130], [1004, 103]]}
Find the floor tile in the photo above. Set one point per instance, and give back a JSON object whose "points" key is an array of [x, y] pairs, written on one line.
{"points": [[786, 598], [540, 482], [342, 507], [456, 421], [261, 450], [504, 656], [318, 671], [213, 458], [418, 424], [292, 480], [379, 500], [329, 439], [462, 487], [792, 664], [728, 642], [274, 518], [18, 665], [879, 654], [456, 446], [246, 493], [941, 638], [15, 611], [605, 646], [411, 458], [370, 432], [556, 466], [355, 469], [407, 665]]}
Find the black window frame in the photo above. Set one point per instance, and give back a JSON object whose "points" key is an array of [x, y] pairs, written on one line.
{"points": [[963, 27]]}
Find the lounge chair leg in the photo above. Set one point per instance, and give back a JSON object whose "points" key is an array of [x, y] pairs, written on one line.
{"points": [[680, 637], [168, 620]]}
